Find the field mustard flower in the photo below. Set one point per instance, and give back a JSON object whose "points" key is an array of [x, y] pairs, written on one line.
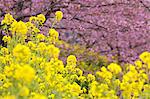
{"points": [[114, 68], [58, 15], [25, 73], [4, 51], [19, 28], [41, 18], [21, 52], [9, 97], [71, 60], [33, 19], [8, 19], [24, 91], [6, 39], [53, 35], [31, 69], [40, 37], [145, 57], [90, 77]]}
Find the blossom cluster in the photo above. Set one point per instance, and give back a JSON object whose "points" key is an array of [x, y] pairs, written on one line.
{"points": [[109, 25], [30, 68]]}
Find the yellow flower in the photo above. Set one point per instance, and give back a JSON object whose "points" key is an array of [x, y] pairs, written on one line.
{"points": [[105, 74], [130, 76], [6, 39], [58, 15], [8, 70], [32, 28], [42, 47], [138, 64], [8, 19], [94, 90], [143, 76], [41, 86], [31, 45], [13, 27], [25, 73], [78, 72], [114, 68], [82, 79], [19, 28], [75, 89], [9, 97], [32, 19], [117, 82], [2, 77], [24, 91], [145, 57], [4, 50], [41, 18], [53, 51], [90, 77], [84, 90], [3, 61], [7, 84], [146, 87], [71, 60], [40, 37], [53, 35], [131, 68], [103, 69], [73, 77], [111, 93], [21, 52], [29, 25]]}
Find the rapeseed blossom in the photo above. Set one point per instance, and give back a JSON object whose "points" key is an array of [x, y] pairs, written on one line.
{"points": [[104, 73], [41, 18], [32, 29], [31, 45], [40, 37], [90, 77], [21, 52], [53, 36], [25, 73], [32, 69], [37, 20], [71, 60], [19, 28], [114, 68], [9, 97], [33, 19], [8, 19], [58, 15], [24, 91], [6, 39], [145, 57]]}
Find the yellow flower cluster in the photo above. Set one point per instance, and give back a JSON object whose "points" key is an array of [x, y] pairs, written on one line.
{"points": [[18, 28], [21, 52], [40, 19], [53, 35], [58, 15], [32, 29], [25, 73], [8, 19], [32, 69], [114, 68], [145, 56], [6, 39]]}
